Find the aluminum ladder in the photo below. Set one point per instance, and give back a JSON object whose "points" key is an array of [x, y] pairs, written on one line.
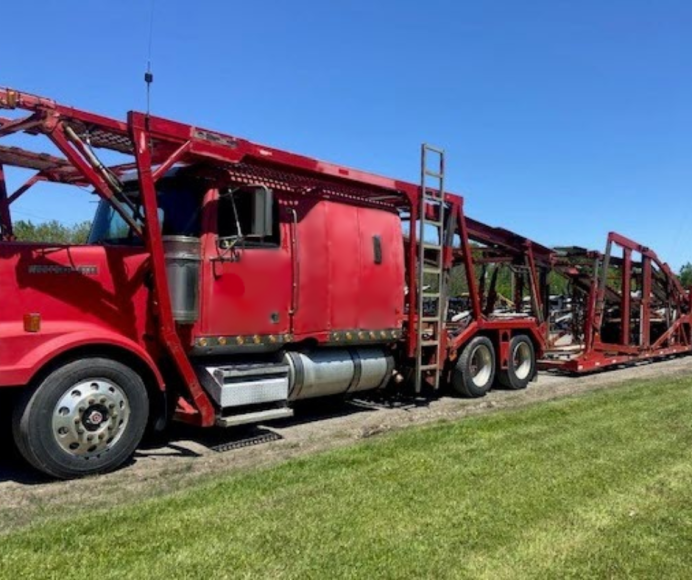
{"points": [[431, 282]]}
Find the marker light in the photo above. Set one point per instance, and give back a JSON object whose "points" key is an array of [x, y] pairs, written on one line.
{"points": [[32, 322]]}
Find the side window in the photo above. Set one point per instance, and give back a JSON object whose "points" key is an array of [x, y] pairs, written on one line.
{"points": [[242, 214], [180, 209]]}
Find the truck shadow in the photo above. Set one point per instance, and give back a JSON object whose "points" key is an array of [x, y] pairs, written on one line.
{"points": [[306, 412], [13, 467], [180, 436], [192, 442]]}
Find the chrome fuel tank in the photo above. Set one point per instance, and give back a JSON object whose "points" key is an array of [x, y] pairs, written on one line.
{"points": [[332, 371]]}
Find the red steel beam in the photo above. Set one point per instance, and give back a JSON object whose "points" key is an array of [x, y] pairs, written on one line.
{"points": [[625, 242], [177, 155], [626, 296], [412, 258], [28, 184], [508, 240], [7, 126], [95, 178], [535, 288], [468, 262], [645, 317], [154, 243], [5, 216], [675, 329], [591, 329]]}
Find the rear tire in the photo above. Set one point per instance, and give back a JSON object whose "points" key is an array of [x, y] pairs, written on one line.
{"points": [[474, 372], [86, 417], [521, 365]]}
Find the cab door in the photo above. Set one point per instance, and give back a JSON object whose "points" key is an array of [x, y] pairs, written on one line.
{"points": [[247, 280]]}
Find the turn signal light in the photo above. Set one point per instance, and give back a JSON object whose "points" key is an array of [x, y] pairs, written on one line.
{"points": [[32, 322]]}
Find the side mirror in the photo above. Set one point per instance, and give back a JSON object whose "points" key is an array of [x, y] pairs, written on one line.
{"points": [[262, 213]]}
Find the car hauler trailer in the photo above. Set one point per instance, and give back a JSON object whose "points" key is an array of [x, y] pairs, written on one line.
{"points": [[627, 306], [223, 281]]}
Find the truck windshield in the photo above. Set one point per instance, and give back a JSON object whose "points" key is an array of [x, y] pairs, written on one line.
{"points": [[179, 209]]}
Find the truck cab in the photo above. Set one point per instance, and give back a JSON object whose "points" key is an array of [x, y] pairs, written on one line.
{"points": [[268, 268]]}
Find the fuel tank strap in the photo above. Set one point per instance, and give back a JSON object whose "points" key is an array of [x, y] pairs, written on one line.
{"points": [[357, 369]]}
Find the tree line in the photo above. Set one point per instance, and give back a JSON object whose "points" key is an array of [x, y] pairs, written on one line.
{"points": [[686, 275], [52, 232]]}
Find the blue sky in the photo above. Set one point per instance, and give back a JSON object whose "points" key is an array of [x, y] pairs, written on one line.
{"points": [[562, 120]]}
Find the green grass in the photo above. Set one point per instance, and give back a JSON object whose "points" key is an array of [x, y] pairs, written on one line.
{"points": [[593, 486]]}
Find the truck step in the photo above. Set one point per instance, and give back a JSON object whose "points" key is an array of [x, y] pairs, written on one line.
{"points": [[245, 384], [254, 417]]}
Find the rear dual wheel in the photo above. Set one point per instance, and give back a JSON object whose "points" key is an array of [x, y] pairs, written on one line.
{"points": [[86, 417], [476, 368], [521, 365], [474, 372]]}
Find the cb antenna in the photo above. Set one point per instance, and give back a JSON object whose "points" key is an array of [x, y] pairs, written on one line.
{"points": [[148, 75]]}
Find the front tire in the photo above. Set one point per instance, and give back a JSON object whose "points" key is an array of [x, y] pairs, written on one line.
{"points": [[86, 417], [474, 372]]}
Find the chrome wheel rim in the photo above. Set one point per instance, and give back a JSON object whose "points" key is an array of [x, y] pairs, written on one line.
{"points": [[90, 418], [521, 358], [481, 365]]}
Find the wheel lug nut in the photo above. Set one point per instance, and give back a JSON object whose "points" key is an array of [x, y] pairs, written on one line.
{"points": [[102, 436], [90, 437], [92, 401], [77, 420], [82, 409], [102, 400], [80, 431], [111, 406]]}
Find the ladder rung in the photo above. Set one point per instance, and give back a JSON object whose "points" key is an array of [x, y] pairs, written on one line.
{"points": [[436, 174], [431, 270], [435, 223], [430, 343], [433, 149], [431, 319], [431, 294], [436, 197], [433, 247], [433, 367]]}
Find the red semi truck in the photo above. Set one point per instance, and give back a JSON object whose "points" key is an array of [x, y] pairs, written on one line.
{"points": [[223, 281]]}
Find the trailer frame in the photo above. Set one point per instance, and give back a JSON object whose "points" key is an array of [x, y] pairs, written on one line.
{"points": [[657, 286]]}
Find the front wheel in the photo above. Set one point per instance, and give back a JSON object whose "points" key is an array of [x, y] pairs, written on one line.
{"points": [[475, 370], [521, 365], [86, 417]]}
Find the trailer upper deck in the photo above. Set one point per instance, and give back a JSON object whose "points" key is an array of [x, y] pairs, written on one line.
{"points": [[172, 142]]}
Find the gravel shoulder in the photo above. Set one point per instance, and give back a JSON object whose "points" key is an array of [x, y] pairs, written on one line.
{"points": [[192, 455]]}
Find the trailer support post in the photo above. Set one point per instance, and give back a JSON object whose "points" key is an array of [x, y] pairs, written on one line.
{"points": [[626, 296], [5, 217], [646, 302], [154, 244]]}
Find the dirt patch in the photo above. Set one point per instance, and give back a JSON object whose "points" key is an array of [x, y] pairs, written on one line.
{"points": [[190, 455]]}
